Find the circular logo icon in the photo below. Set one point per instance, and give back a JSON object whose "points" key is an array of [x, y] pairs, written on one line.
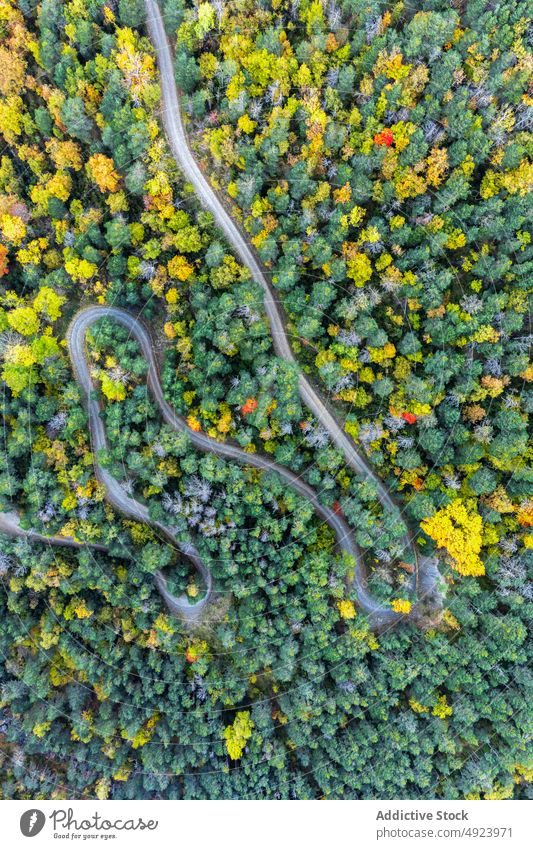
{"points": [[32, 822]]}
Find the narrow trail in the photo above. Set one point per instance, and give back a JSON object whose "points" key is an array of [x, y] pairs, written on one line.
{"points": [[380, 615], [10, 526]]}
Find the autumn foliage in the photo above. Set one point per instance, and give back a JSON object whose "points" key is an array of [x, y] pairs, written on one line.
{"points": [[385, 137], [250, 406], [459, 531], [376, 158]]}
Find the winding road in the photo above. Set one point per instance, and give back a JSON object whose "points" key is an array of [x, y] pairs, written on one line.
{"points": [[379, 614], [179, 145], [121, 501]]}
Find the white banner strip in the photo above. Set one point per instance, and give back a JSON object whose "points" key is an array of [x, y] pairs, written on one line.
{"points": [[236, 824]]}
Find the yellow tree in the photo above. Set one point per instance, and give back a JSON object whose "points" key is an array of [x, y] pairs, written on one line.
{"points": [[237, 735], [458, 530], [101, 170]]}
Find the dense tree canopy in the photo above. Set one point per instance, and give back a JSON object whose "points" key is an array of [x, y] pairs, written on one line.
{"points": [[376, 155]]}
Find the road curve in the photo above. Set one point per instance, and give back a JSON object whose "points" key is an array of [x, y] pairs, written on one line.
{"points": [[76, 342], [380, 615]]}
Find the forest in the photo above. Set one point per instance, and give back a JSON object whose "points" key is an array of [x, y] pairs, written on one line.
{"points": [[376, 157]]}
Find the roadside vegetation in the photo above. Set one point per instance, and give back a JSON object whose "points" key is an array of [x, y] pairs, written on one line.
{"points": [[376, 155]]}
